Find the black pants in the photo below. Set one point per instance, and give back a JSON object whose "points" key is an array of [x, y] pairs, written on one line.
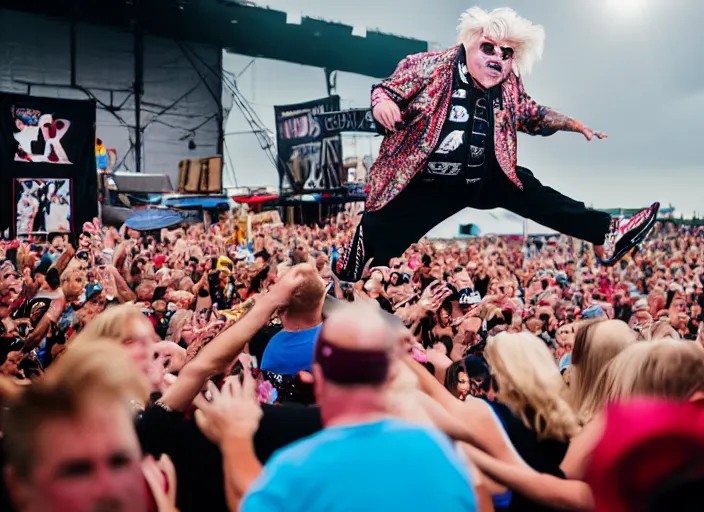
{"points": [[422, 205]]}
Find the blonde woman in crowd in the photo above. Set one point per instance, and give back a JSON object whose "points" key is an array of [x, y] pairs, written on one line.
{"points": [[664, 369], [596, 343], [667, 369], [127, 326], [532, 404], [531, 424]]}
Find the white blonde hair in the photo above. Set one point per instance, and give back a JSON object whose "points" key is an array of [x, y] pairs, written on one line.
{"points": [[530, 383], [503, 24]]}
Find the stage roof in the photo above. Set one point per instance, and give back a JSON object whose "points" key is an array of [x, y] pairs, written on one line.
{"points": [[243, 29]]}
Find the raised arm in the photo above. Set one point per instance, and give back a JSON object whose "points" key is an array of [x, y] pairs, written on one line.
{"points": [[546, 489], [535, 119], [123, 289], [217, 355], [63, 261]]}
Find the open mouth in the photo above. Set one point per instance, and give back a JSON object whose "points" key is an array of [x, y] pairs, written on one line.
{"points": [[494, 65]]}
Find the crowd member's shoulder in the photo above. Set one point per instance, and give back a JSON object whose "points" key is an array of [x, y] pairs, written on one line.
{"points": [[10, 388]]}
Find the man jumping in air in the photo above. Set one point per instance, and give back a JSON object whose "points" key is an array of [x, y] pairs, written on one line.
{"points": [[451, 120]]}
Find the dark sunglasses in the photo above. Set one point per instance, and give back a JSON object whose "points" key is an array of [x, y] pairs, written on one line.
{"points": [[490, 49]]}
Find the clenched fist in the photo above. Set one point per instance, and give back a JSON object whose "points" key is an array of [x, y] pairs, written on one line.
{"points": [[388, 114]]}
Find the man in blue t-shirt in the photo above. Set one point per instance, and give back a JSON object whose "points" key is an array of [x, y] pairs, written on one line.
{"points": [[289, 352], [291, 349], [364, 460]]}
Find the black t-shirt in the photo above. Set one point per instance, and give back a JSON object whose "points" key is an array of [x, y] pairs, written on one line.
{"points": [[198, 462], [543, 455], [482, 285], [219, 294], [466, 136]]}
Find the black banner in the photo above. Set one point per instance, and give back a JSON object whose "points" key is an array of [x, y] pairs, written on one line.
{"points": [[353, 120], [308, 158], [47, 165]]}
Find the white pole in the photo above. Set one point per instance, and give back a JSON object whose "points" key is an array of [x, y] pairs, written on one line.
{"points": [[249, 227]]}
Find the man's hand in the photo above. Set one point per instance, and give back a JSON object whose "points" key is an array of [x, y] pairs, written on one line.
{"points": [[161, 477], [170, 355], [281, 292], [439, 360], [388, 114], [589, 134], [433, 296], [234, 410]]}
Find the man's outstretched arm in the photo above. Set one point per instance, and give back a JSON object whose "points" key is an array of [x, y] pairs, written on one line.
{"points": [[535, 119], [217, 355]]}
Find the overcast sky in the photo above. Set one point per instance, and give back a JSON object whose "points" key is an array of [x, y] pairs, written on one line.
{"points": [[625, 67]]}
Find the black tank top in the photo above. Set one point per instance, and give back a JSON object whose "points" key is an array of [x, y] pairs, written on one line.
{"points": [[543, 455]]}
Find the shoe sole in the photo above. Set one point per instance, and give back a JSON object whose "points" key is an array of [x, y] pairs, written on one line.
{"points": [[635, 242]]}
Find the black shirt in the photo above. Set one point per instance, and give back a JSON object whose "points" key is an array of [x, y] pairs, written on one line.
{"points": [[198, 462], [543, 455], [466, 137], [220, 294], [482, 285]]}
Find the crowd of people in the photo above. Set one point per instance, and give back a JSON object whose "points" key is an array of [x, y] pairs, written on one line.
{"points": [[191, 370]]}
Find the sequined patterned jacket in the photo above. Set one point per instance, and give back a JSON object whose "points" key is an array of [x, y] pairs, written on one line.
{"points": [[422, 86]]}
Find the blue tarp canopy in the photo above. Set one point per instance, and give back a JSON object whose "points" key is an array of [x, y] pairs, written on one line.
{"points": [[151, 219], [204, 203]]}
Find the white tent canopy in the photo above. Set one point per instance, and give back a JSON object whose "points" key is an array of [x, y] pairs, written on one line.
{"points": [[491, 222]]}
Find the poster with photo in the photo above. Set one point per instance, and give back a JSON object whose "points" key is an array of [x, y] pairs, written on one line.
{"points": [[309, 158], [45, 139], [42, 206]]}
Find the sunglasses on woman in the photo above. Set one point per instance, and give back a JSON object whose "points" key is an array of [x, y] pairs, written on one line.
{"points": [[506, 52]]}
